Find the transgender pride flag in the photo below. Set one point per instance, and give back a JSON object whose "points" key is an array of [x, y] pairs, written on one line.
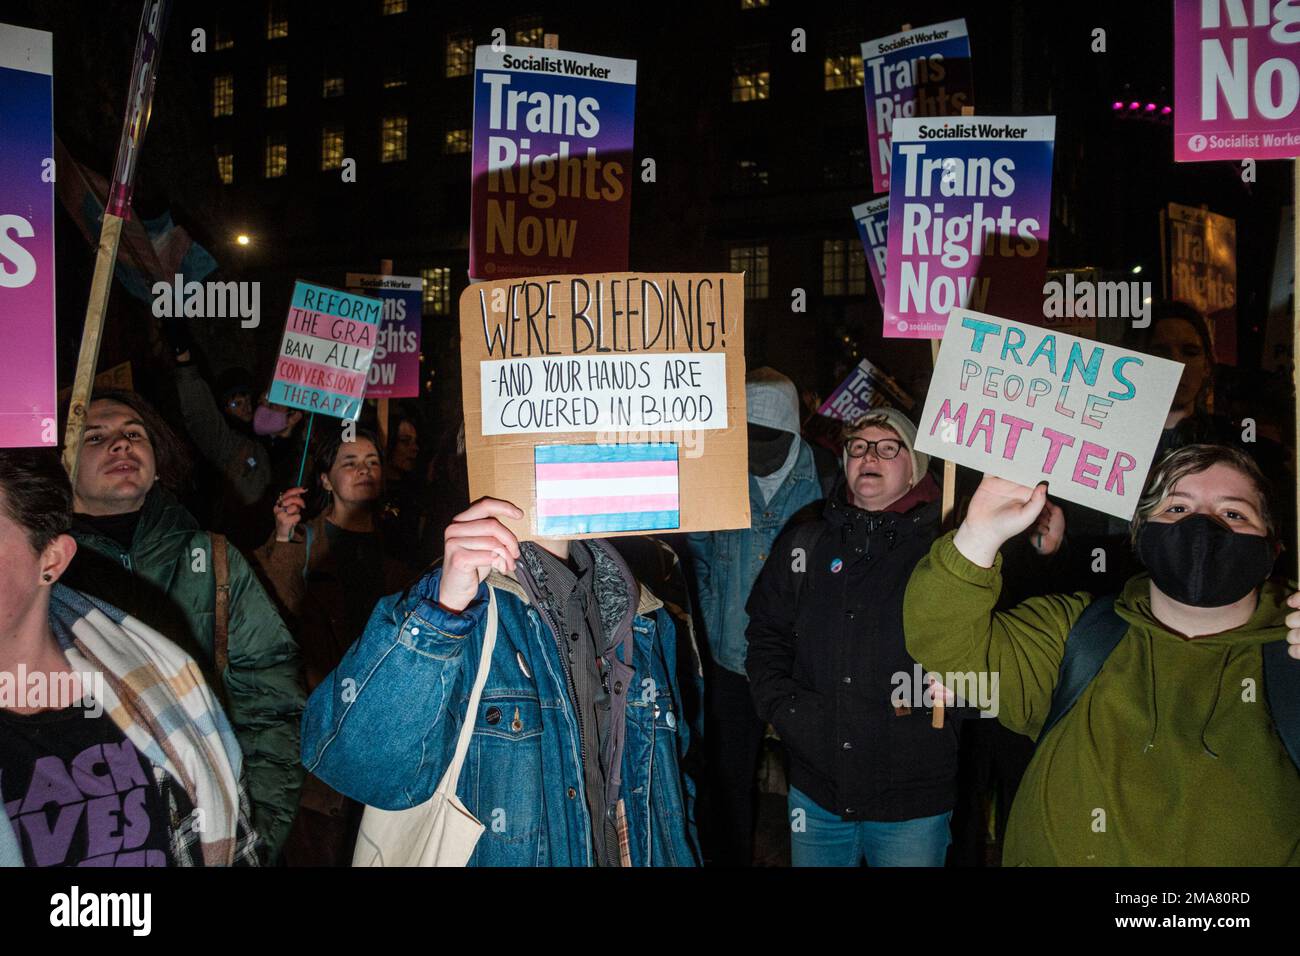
{"points": [[601, 488]]}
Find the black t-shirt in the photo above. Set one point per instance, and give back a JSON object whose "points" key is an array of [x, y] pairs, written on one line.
{"points": [[359, 564], [78, 793]]}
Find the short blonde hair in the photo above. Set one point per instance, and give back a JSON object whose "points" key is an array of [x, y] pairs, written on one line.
{"points": [[851, 428], [1192, 460]]}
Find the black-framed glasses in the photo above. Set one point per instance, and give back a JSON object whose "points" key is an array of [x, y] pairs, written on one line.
{"points": [[885, 448]]}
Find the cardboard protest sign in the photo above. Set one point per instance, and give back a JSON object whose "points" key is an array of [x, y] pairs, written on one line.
{"points": [[325, 354], [1031, 404], [1236, 80], [608, 404], [551, 165], [923, 72], [969, 209], [395, 370], [873, 223], [1203, 271], [867, 387], [28, 415]]}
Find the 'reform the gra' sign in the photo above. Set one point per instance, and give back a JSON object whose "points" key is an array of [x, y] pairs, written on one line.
{"points": [[325, 354], [1236, 79], [552, 178], [1030, 404], [631, 385]]}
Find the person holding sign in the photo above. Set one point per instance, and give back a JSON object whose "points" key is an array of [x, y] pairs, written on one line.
{"points": [[1166, 718], [140, 548], [578, 736]]}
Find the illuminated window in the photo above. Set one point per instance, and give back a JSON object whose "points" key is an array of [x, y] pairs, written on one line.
{"points": [[394, 74], [753, 4], [843, 64], [392, 142], [752, 260], [331, 146], [275, 161], [223, 95], [277, 20], [750, 79], [332, 86], [456, 141], [277, 85], [844, 267], [226, 165], [528, 31], [437, 291], [393, 6], [222, 38], [460, 53], [749, 175]]}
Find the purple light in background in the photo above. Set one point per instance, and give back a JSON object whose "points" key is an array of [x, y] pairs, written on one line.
{"points": [[1134, 105], [1166, 110], [1117, 105], [1151, 107]]}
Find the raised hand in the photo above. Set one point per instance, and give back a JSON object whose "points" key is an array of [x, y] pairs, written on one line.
{"points": [[476, 542], [288, 512], [1000, 510]]}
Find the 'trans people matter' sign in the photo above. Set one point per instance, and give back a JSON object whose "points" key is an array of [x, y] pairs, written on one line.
{"points": [[395, 371], [28, 414], [325, 354], [873, 224], [621, 374], [552, 178], [1236, 80], [1030, 404], [925, 72], [969, 209]]}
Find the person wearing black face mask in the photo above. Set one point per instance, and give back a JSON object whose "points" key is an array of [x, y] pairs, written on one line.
{"points": [[1168, 719], [783, 479]]}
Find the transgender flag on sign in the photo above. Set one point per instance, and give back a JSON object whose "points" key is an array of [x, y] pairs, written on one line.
{"points": [[584, 489]]}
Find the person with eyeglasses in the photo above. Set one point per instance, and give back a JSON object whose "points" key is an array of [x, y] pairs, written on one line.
{"points": [[871, 778]]}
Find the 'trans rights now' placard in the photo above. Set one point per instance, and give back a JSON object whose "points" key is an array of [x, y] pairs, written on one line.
{"points": [[969, 209], [1029, 404]]}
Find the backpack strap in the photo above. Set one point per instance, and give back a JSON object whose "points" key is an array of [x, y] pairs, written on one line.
{"points": [[221, 616], [1090, 642], [1282, 688]]}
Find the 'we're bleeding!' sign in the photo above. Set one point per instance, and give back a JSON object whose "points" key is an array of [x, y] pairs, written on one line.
{"points": [[1030, 404]]}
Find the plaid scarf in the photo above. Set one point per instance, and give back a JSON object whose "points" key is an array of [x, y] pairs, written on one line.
{"points": [[156, 694]]}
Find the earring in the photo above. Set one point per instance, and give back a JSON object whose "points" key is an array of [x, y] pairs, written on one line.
{"points": [[47, 577]]}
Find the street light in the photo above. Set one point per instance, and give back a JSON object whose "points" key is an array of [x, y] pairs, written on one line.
{"points": [[243, 239]]}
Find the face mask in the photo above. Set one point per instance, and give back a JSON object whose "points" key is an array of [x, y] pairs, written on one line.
{"points": [[768, 449], [1199, 562], [268, 421]]}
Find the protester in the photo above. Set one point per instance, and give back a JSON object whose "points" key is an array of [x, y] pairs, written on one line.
{"points": [[578, 739], [141, 549], [134, 733], [406, 499], [783, 479], [327, 575], [1169, 755], [870, 776]]}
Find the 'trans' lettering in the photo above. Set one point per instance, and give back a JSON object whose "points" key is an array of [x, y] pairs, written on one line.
{"points": [[593, 394]]}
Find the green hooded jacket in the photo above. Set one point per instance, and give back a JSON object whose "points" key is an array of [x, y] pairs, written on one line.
{"points": [[166, 580], [1169, 757]]}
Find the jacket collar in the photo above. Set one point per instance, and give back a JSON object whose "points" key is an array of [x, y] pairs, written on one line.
{"points": [[647, 603]]}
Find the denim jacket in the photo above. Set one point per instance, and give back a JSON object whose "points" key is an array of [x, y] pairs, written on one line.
{"points": [[727, 562], [382, 728]]}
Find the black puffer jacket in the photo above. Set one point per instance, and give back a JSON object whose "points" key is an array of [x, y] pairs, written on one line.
{"points": [[823, 672]]}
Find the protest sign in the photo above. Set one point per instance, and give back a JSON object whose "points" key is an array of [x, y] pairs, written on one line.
{"points": [[1236, 80], [1031, 404], [923, 72], [325, 354], [1202, 248], [606, 404], [873, 222], [28, 416], [551, 167], [867, 387], [395, 370], [969, 210]]}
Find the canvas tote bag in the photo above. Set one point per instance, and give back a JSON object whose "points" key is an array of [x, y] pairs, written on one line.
{"points": [[440, 831]]}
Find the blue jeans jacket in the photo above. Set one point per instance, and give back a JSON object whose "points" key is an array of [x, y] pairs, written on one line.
{"points": [[727, 562], [382, 728]]}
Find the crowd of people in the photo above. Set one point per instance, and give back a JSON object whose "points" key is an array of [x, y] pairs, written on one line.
{"points": [[334, 637]]}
